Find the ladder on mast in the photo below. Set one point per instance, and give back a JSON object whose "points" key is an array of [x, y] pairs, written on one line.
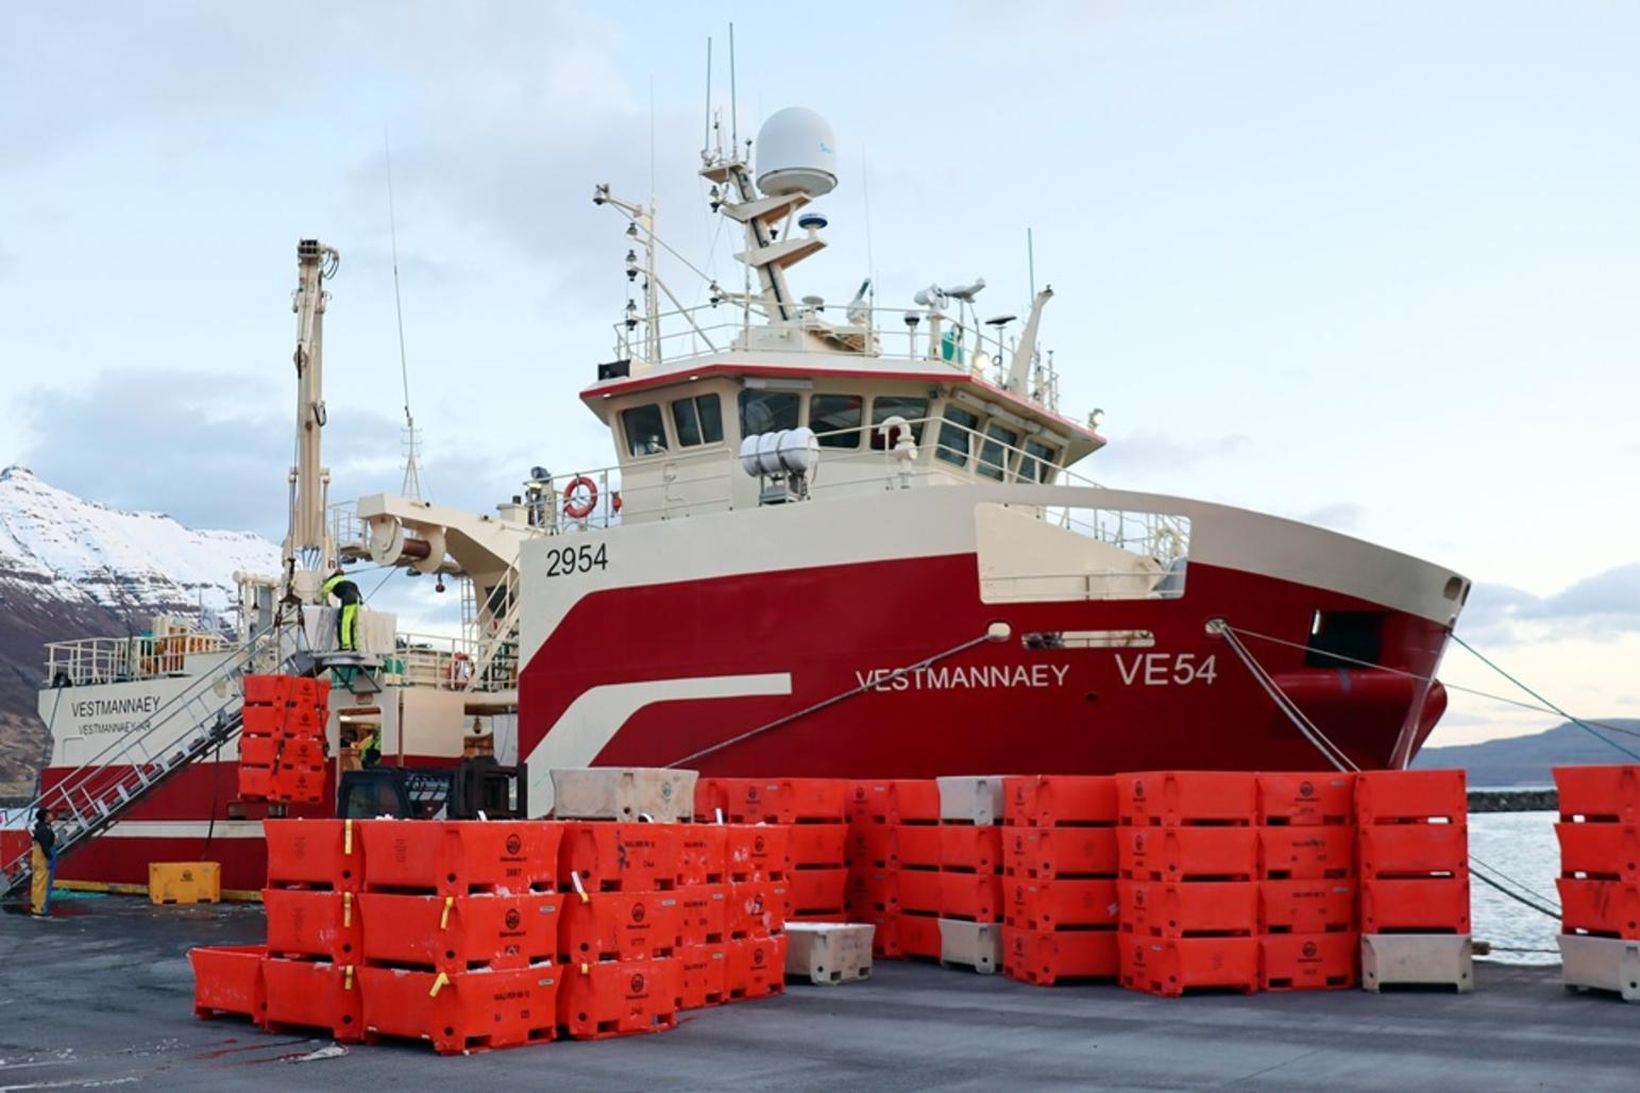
{"points": [[97, 794]]}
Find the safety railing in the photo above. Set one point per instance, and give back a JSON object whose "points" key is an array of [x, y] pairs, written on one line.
{"points": [[886, 333], [440, 661], [348, 531], [1109, 584], [691, 482], [86, 661], [492, 631]]}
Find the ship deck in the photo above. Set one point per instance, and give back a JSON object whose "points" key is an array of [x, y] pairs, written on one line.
{"points": [[101, 993]]}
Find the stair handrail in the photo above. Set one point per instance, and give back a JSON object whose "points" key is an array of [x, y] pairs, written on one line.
{"points": [[233, 667], [505, 628]]}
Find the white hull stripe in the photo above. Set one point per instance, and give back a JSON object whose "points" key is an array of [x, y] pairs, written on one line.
{"points": [[592, 720], [184, 829]]}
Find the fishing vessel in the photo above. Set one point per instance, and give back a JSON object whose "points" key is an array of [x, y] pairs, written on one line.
{"points": [[836, 539]]}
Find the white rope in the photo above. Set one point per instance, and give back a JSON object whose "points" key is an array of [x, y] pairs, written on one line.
{"points": [[1329, 751]]}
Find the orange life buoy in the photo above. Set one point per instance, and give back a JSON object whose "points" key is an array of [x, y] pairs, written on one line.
{"points": [[461, 669], [579, 508], [615, 500]]}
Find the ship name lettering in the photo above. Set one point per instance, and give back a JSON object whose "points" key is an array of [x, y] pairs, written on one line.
{"points": [[1165, 669], [109, 707], [926, 678]]}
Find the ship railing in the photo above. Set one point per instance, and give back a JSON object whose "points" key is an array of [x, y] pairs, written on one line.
{"points": [[692, 485], [87, 661], [441, 661], [1108, 584], [348, 532], [886, 333], [971, 455]]}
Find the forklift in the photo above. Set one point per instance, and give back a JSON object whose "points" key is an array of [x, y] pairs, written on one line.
{"points": [[474, 789]]}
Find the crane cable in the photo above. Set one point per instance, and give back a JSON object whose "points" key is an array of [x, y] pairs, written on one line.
{"points": [[1335, 755]]}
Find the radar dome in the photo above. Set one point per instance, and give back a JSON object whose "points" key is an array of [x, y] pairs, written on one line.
{"points": [[796, 153]]}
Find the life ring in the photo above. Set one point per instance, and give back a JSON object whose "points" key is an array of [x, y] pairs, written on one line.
{"points": [[461, 669], [615, 500], [579, 508]]}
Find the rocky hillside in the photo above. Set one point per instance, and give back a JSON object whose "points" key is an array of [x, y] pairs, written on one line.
{"points": [[72, 568]]}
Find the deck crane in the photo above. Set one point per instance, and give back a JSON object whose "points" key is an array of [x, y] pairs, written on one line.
{"points": [[309, 549]]}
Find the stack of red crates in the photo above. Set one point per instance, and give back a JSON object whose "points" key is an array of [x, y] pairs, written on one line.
{"points": [[870, 881], [1413, 851], [315, 875], [282, 739], [622, 929], [703, 895], [1307, 889], [915, 890], [1188, 851], [970, 850], [1599, 833], [814, 812], [460, 932], [1059, 878], [759, 901]]}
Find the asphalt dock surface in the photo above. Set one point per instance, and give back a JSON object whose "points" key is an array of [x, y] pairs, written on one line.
{"points": [[101, 994]]}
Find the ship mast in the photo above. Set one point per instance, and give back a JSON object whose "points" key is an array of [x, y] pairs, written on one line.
{"points": [[310, 552]]}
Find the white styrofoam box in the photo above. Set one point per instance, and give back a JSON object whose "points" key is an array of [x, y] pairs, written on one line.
{"points": [[1601, 963], [829, 952], [1417, 959], [624, 793], [971, 799], [976, 945]]}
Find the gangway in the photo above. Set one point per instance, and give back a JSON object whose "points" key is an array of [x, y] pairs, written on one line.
{"points": [[206, 714], [501, 641]]}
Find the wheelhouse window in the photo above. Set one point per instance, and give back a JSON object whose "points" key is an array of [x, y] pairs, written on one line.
{"points": [[698, 420], [1038, 462], [956, 434], [767, 411], [645, 431], [997, 451], [837, 419], [884, 407]]}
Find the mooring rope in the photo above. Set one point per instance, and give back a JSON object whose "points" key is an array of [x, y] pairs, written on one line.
{"points": [[898, 673], [1340, 760]]}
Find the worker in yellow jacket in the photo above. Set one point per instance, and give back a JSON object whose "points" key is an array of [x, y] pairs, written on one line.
{"points": [[347, 620]]}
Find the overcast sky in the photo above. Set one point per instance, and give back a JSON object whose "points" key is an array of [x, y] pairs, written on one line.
{"points": [[1371, 265]]}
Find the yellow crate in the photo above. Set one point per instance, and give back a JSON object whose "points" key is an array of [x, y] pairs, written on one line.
{"points": [[185, 882]]}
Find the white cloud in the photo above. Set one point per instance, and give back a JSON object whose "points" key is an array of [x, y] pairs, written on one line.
{"points": [[1604, 604], [209, 449], [1343, 516]]}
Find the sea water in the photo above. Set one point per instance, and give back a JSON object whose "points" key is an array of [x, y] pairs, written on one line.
{"points": [[1522, 846]]}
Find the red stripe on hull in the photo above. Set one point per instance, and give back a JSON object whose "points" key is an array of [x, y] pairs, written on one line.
{"points": [[116, 859], [823, 626]]}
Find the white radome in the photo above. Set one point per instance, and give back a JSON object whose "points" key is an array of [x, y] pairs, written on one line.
{"points": [[796, 153]]}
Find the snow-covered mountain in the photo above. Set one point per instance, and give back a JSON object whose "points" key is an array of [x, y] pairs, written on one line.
{"points": [[72, 568], [134, 563]]}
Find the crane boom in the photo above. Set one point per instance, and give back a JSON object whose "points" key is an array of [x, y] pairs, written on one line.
{"points": [[310, 552]]}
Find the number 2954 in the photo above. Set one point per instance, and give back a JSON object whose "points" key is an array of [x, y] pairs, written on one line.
{"points": [[565, 561]]}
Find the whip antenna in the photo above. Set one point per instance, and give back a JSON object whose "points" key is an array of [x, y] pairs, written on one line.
{"points": [[411, 487]]}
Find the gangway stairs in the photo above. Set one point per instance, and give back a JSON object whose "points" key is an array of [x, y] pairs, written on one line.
{"points": [[202, 717], [489, 672]]}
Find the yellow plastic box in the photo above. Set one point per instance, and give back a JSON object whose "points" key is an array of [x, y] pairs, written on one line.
{"points": [[185, 882]]}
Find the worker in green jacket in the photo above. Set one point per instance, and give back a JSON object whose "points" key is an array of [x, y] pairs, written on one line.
{"points": [[347, 619]]}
